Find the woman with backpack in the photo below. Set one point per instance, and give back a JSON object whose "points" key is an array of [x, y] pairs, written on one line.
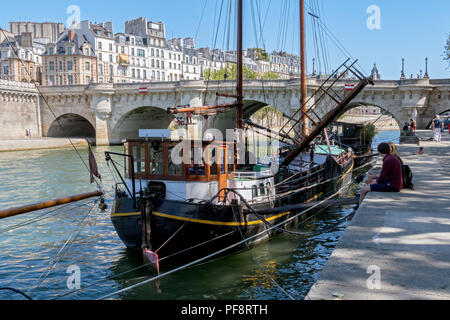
{"points": [[391, 177]]}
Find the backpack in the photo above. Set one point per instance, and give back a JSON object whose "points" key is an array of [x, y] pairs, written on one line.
{"points": [[407, 177]]}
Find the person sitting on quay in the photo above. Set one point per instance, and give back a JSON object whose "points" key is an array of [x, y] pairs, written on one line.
{"points": [[406, 126], [390, 179]]}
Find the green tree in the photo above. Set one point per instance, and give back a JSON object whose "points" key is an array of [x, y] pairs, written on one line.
{"points": [[447, 51], [230, 73]]}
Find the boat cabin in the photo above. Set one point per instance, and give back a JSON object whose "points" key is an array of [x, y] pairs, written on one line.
{"points": [[194, 170]]}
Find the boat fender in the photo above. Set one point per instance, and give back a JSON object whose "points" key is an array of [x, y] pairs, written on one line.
{"points": [[102, 205], [151, 259]]}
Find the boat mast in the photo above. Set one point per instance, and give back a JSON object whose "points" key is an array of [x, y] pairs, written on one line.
{"points": [[239, 89], [303, 66]]}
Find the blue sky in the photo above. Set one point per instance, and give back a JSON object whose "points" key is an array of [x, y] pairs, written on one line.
{"points": [[411, 29]]}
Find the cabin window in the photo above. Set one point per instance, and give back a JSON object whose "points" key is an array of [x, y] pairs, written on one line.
{"points": [[262, 189], [174, 169], [255, 192], [139, 159], [156, 160]]}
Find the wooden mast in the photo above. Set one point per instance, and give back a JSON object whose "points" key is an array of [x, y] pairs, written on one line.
{"points": [[239, 89], [303, 66]]}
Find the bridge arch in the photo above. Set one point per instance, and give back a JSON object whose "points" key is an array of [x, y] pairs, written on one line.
{"points": [[385, 111], [71, 125], [128, 126]]}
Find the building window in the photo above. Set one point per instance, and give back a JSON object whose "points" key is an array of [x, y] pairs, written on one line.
{"points": [[163, 76], [88, 79], [153, 63], [153, 74], [110, 47], [162, 65], [87, 66], [132, 51], [100, 45], [60, 66], [157, 52], [70, 79], [138, 73], [133, 73], [6, 70], [157, 63], [100, 69], [51, 66], [145, 74], [69, 51], [110, 58], [158, 75], [52, 81], [69, 65], [61, 80]]}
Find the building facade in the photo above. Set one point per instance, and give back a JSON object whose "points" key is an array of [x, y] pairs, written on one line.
{"points": [[70, 61]]}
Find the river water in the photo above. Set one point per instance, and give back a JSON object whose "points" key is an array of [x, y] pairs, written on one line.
{"points": [[39, 251]]}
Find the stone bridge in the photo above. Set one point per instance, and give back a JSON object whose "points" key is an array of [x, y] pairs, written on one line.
{"points": [[112, 112]]}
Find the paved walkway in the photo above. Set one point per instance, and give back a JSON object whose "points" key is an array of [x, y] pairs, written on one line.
{"points": [[36, 144], [402, 240]]}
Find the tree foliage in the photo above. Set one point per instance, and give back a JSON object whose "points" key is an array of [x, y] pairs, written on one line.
{"points": [[447, 51], [230, 73]]}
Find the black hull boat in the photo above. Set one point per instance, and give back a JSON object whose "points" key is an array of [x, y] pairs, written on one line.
{"points": [[191, 229], [357, 137]]}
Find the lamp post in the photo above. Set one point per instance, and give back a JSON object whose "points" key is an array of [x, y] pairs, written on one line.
{"points": [[403, 77], [426, 69]]}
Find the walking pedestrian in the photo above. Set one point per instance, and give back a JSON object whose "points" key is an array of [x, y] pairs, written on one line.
{"points": [[414, 125], [437, 129], [448, 124]]}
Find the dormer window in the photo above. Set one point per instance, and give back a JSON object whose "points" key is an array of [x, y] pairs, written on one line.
{"points": [[69, 51], [86, 52], [51, 51]]}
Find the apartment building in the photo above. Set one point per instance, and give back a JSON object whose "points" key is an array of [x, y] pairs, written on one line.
{"points": [[70, 61], [20, 58]]}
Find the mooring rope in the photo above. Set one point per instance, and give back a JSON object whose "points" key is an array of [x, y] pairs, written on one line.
{"points": [[215, 253]]}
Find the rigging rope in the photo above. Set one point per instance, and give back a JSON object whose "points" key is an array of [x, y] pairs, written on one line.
{"points": [[59, 255]]}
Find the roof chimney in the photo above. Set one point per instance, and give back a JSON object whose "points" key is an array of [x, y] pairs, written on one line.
{"points": [[71, 34]]}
